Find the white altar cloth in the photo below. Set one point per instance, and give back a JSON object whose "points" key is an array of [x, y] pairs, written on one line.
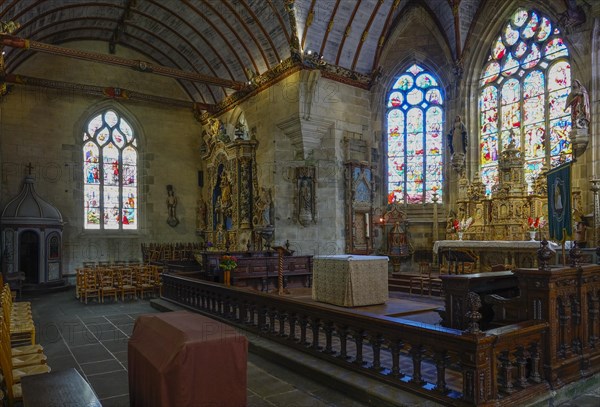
{"points": [[350, 280], [490, 244]]}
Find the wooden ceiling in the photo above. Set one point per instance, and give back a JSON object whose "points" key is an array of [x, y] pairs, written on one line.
{"points": [[228, 39]]}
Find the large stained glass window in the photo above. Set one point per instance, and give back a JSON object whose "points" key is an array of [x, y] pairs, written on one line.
{"points": [[110, 173], [524, 86], [415, 118]]}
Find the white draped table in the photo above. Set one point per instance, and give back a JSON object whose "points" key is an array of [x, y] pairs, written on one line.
{"points": [[495, 251], [350, 280]]}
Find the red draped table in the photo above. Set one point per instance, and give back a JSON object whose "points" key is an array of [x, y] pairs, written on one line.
{"points": [[186, 359]]}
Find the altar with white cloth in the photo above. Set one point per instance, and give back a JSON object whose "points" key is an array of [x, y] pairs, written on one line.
{"points": [[350, 280], [511, 253]]}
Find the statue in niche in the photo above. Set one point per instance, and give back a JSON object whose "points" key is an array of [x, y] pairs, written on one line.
{"points": [[305, 201], [457, 143], [226, 193], [457, 138], [201, 214], [579, 102], [264, 207], [172, 207], [240, 131]]}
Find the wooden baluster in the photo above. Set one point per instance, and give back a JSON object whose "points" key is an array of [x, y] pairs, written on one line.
{"points": [[252, 315], [505, 373], [594, 316], [522, 354], [293, 319], [243, 312], [262, 318], [563, 319], [303, 326], [417, 353], [272, 320], [395, 347], [343, 334], [576, 345], [328, 328], [376, 342], [315, 324], [282, 317], [358, 340], [535, 357], [441, 359]]}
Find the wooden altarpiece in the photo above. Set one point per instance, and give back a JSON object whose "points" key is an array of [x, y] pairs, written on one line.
{"points": [[232, 185], [359, 208], [504, 215], [394, 223]]}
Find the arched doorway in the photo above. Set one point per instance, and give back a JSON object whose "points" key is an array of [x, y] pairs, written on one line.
{"points": [[29, 259]]}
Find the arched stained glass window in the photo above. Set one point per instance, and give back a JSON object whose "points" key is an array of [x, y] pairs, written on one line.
{"points": [[415, 118], [524, 86], [110, 173]]}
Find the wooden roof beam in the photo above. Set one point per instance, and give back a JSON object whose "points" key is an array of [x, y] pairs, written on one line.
{"points": [[142, 66]]}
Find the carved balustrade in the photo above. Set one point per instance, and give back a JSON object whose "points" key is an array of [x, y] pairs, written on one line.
{"points": [[446, 365]]}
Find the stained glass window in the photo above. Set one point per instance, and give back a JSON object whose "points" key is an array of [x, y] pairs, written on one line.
{"points": [[415, 120], [524, 85], [110, 173]]}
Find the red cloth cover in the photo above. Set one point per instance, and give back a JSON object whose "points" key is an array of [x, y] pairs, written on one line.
{"points": [[185, 359]]}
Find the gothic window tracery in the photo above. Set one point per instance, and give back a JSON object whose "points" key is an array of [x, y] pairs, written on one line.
{"points": [[414, 123], [110, 159], [523, 88]]}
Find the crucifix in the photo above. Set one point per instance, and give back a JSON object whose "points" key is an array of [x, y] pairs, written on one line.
{"points": [[29, 167]]}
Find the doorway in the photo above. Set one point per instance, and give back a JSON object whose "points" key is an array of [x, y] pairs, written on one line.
{"points": [[29, 259]]}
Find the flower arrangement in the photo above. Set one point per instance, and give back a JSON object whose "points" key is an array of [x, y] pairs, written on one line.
{"points": [[535, 224], [228, 263], [461, 226]]}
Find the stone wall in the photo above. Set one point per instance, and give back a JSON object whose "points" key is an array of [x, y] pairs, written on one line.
{"points": [[45, 127]]}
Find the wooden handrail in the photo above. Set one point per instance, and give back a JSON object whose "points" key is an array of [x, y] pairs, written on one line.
{"points": [[446, 365]]}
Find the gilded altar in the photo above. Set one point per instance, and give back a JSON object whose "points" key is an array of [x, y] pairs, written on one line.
{"points": [[234, 209], [503, 215]]}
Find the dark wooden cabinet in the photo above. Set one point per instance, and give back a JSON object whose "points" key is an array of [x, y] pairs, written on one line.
{"points": [[259, 270]]}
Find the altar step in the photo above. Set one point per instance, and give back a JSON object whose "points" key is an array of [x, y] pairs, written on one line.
{"points": [[402, 282]]}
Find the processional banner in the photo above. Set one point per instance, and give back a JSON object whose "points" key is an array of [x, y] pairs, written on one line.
{"points": [[559, 202]]}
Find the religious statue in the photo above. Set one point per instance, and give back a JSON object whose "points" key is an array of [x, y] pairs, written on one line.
{"points": [[457, 138], [225, 191], [172, 207], [240, 131], [263, 208], [457, 143], [579, 102], [305, 201]]}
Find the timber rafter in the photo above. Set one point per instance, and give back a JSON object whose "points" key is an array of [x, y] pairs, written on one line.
{"points": [[142, 66]]}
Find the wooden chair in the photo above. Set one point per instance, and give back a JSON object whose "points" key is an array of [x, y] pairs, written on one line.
{"points": [[125, 283], [144, 282], [423, 279], [90, 288], [108, 284], [18, 350], [20, 325], [22, 360], [13, 374]]}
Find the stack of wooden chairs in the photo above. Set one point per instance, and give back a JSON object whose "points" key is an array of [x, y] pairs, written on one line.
{"points": [[19, 354], [118, 280], [169, 251]]}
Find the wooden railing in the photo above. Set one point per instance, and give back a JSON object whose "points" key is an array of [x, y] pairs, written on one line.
{"points": [[446, 365], [569, 299]]}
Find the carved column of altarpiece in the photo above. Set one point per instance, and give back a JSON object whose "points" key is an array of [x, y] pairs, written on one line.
{"points": [[232, 184]]}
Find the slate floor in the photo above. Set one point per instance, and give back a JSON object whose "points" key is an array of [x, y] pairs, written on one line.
{"points": [[93, 339]]}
